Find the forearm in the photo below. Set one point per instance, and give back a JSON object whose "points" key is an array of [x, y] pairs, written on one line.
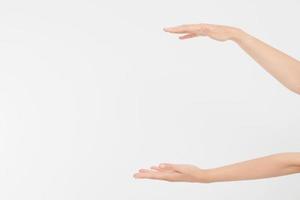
{"points": [[281, 66], [265, 167]]}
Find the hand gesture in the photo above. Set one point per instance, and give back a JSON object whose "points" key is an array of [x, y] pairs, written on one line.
{"points": [[216, 32], [173, 173]]}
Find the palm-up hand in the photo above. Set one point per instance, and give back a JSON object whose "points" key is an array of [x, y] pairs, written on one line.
{"points": [[173, 173], [216, 32]]}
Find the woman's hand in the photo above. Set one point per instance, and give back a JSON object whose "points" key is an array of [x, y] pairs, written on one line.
{"points": [[265, 167], [283, 67], [174, 173], [216, 32]]}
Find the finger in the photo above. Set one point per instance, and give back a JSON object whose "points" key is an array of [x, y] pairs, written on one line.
{"points": [[155, 168], [149, 175], [165, 176], [177, 29], [173, 167], [145, 170], [187, 36], [144, 173], [166, 166]]}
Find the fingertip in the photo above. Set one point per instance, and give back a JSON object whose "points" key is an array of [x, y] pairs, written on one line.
{"points": [[139, 175], [142, 170], [167, 29], [135, 175]]}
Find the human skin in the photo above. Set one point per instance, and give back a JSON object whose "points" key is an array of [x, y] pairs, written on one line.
{"points": [[281, 66], [265, 167]]}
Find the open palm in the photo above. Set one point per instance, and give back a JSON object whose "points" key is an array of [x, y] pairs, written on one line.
{"points": [[173, 173]]}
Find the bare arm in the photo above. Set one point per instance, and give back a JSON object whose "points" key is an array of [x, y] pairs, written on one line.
{"points": [[281, 66], [265, 167]]}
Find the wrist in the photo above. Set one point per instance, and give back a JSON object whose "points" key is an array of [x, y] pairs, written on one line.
{"points": [[239, 36], [205, 176]]}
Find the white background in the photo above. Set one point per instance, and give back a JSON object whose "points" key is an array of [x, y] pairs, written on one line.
{"points": [[91, 91]]}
